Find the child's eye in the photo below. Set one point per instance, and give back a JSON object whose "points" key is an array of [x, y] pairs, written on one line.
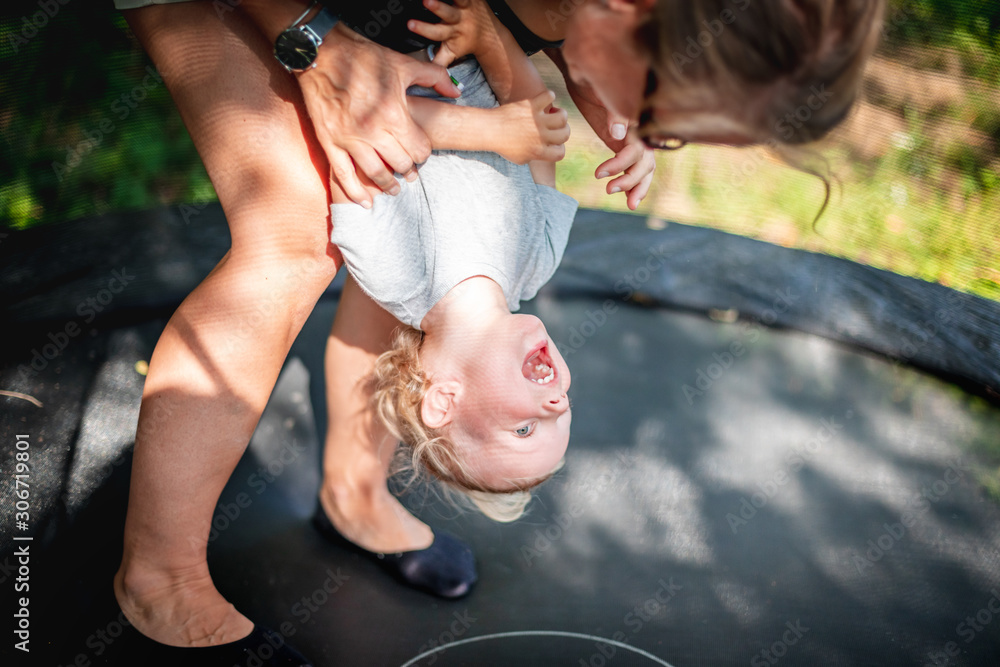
{"points": [[525, 431]]}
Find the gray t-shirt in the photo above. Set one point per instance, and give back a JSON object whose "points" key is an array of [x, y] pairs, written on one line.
{"points": [[467, 214]]}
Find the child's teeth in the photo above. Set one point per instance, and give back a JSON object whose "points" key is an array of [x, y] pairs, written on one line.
{"points": [[547, 378]]}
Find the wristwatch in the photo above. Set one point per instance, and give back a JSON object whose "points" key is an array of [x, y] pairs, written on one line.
{"points": [[297, 47]]}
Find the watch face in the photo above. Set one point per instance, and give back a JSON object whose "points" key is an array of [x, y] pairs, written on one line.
{"points": [[295, 49]]}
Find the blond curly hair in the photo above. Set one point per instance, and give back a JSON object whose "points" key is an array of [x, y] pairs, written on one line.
{"points": [[399, 386]]}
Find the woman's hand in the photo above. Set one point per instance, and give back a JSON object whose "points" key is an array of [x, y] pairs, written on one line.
{"points": [[533, 130], [356, 97], [635, 162], [466, 27]]}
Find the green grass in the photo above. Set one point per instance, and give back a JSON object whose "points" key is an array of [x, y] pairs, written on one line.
{"points": [[878, 215]]}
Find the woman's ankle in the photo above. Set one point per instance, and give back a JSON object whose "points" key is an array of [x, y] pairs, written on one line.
{"points": [[180, 608]]}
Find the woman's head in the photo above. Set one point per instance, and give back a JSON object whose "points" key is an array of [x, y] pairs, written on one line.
{"points": [[724, 71], [486, 412]]}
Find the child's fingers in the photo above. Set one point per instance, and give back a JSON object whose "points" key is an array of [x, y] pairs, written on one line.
{"points": [[542, 100], [444, 56], [554, 153], [554, 118], [556, 135], [445, 12], [435, 32]]}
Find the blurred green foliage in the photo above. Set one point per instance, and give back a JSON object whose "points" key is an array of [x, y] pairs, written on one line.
{"points": [[970, 27], [73, 146], [87, 124]]}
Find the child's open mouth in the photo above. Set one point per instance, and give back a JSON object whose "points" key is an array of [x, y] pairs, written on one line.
{"points": [[538, 366]]}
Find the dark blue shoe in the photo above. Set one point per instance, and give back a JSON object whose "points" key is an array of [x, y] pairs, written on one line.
{"points": [[446, 568]]}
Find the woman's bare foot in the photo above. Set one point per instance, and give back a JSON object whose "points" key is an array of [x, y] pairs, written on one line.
{"points": [[179, 609]]}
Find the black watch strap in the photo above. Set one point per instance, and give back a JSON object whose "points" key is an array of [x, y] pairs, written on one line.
{"points": [[323, 22]]}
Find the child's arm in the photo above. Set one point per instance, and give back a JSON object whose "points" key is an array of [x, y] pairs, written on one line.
{"points": [[526, 126], [521, 131]]}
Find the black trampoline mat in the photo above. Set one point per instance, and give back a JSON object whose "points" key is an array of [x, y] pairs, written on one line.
{"points": [[775, 517], [732, 494]]}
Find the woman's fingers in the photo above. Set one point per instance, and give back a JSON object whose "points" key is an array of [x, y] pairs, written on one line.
{"points": [[342, 171], [625, 158], [393, 154], [624, 183], [368, 161], [428, 75], [618, 128], [635, 181], [639, 192]]}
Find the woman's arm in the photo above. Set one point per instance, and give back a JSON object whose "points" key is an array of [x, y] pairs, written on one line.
{"points": [[356, 97], [632, 160]]}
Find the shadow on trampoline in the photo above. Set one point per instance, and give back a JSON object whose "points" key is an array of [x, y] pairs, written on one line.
{"points": [[752, 487]]}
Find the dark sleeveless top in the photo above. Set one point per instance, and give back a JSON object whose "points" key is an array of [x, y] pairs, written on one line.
{"points": [[384, 22]]}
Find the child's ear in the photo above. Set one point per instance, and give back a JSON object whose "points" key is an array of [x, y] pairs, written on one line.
{"points": [[437, 408]]}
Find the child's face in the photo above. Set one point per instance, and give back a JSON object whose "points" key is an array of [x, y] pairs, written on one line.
{"points": [[514, 411]]}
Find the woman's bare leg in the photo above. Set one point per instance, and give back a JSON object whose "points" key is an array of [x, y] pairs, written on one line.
{"points": [[358, 448], [219, 357]]}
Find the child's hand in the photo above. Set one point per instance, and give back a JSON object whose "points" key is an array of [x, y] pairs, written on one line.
{"points": [[635, 162], [465, 28], [534, 129]]}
